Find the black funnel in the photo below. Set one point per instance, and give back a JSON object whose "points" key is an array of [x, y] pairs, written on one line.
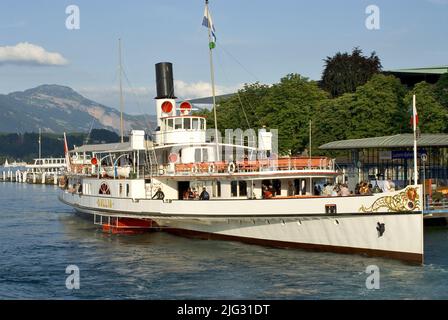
{"points": [[164, 80]]}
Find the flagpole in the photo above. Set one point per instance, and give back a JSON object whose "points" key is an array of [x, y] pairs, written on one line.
{"points": [[121, 91], [40, 143], [414, 121], [212, 75]]}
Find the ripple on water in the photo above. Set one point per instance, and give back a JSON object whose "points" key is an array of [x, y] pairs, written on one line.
{"points": [[40, 237]]}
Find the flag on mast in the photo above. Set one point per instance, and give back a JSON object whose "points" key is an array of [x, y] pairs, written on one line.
{"points": [[414, 117], [67, 155], [208, 23]]}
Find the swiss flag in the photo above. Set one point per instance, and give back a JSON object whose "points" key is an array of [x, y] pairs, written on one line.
{"points": [[412, 120], [414, 115]]}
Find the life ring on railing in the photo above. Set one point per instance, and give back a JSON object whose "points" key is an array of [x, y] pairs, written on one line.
{"points": [[212, 168], [231, 168], [330, 164]]}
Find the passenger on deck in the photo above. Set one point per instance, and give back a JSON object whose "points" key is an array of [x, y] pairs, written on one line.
{"points": [[328, 190], [204, 194], [272, 190], [195, 194], [344, 191], [190, 194], [317, 190], [159, 195], [365, 189], [357, 187], [267, 194], [290, 189]]}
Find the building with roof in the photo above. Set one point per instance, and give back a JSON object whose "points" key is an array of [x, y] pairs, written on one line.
{"points": [[412, 76], [391, 157]]}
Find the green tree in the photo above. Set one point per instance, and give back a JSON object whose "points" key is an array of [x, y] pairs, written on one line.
{"points": [[377, 108], [288, 107], [441, 90], [433, 117], [345, 72]]}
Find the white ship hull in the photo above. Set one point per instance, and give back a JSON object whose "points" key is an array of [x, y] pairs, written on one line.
{"points": [[300, 223]]}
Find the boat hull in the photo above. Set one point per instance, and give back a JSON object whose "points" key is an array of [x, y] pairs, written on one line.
{"points": [[346, 234], [396, 235]]}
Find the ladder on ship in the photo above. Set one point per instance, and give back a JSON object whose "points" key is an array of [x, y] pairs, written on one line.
{"points": [[151, 164]]}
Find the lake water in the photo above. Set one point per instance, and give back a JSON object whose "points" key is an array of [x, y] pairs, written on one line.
{"points": [[40, 237]]}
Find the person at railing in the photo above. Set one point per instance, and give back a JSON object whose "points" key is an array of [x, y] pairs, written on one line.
{"points": [[195, 194], [267, 193], [290, 189], [159, 195], [328, 190], [365, 189], [204, 194], [357, 187], [188, 195], [335, 191], [317, 190], [344, 191]]}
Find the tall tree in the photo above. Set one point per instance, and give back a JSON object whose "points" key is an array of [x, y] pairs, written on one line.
{"points": [[441, 90], [433, 117], [345, 72]]}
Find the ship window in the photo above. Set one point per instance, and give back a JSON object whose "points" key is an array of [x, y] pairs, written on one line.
{"points": [[170, 124], [187, 123], [178, 124], [195, 124], [330, 209], [234, 188], [127, 190], [197, 155], [243, 188], [216, 189], [204, 155], [202, 124], [121, 189]]}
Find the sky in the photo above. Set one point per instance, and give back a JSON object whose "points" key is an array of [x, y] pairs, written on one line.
{"points": [[257, 40]]}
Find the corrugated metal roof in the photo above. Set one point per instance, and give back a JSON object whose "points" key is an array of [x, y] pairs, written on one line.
{"points": [[396, 141], [107, 147], [427, 70]]}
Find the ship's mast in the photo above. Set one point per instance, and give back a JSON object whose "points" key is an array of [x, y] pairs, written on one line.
{"points": [[40, 143], [212, 75], [121, 90]]}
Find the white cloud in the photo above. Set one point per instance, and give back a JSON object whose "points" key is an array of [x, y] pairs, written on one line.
{"points": [[201, 89], [25, 53], [140, 99]]}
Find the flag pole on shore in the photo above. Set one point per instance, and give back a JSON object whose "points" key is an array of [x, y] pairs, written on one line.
{"points": [[414, 122]]}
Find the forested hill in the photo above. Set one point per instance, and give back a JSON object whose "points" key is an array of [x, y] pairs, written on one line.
{"points": [[25, 147], [55, 108]]}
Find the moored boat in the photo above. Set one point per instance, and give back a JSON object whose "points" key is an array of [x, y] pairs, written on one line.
{"points": [[188, 183]]}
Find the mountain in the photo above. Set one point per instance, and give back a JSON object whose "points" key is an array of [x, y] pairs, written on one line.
{"points": [[58, 109]]}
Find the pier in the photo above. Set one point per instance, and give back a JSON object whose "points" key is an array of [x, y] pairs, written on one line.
{"points": [[24, 176]]}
